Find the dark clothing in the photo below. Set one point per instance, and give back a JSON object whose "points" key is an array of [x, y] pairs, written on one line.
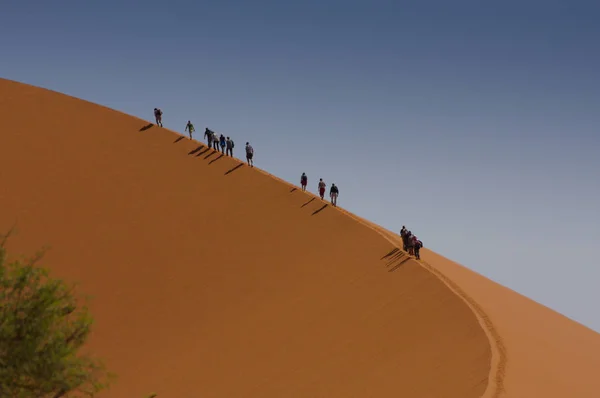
{"points": [[209, 135], [158, 117]]}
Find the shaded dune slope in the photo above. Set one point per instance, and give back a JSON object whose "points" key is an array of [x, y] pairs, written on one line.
{"points": [[215, 280]]}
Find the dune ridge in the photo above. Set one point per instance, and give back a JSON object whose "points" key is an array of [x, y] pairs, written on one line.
{"points": [[294, 303]]}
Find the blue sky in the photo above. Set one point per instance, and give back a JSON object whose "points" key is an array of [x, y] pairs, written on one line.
{"points": [[476, 125]]}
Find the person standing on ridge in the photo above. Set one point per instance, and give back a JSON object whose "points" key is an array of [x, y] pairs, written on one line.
{"points": [[215, 141], [303, 181], [229, 145], [209, 136], [158, 116], [333, 193], [403, 232], [410, 244], [417, 245], [189, 127], [249, 154], [222, 143], [321, 188]]}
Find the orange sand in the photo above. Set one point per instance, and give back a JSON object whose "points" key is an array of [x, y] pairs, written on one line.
{"points": [[215, 281]]}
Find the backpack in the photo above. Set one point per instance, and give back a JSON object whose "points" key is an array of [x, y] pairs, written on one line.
{"points": [[304, 179], [232, 144]]}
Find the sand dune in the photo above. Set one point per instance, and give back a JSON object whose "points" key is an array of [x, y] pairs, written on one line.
{"points": [[211, 279]]}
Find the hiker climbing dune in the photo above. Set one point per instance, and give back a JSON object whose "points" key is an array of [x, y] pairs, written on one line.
{"points": [[303, 181], [249, 154], [321, 187], [158, 117], [189, 127], [333, 193]]}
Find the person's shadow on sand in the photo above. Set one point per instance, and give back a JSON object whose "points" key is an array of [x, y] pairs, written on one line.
{"points": [[146, 127]]}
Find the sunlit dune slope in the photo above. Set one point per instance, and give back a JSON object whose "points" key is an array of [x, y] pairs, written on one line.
{"points": [[537, 352], [215, 281]]}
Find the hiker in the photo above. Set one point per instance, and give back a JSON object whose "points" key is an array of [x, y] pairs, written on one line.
{"points": [[158, 116], [249, 154], [189, 127], [321, 187], [215, 141], [409, 243], [229, 145], [209, 136], [303, 181], [333, 193], [222, 143], [417, 245], [403, 235]]}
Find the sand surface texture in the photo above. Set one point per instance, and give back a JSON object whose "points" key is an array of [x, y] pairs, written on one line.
{"points": [[211, 279]]}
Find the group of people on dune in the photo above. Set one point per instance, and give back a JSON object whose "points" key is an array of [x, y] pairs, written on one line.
{"points": [[214, 140], [226, 144], [333, 191], [410, 243]]}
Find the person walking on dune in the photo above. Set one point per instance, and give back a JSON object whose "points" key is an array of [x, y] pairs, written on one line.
{"points": [[417, 245], [158, 116], [410, 244], [229, 145], [303, 181], [209, 136], [189, 127], [215, 141], [321, 188], [403, 236], [333, 193], [222, 143], [249, 154]]}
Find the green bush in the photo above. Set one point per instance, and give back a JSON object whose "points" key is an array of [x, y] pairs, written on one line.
{"points": [[42, 329]]}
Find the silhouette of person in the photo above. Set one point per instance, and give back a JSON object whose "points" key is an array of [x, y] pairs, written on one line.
{"points": [[215, 141], [209, 136], [303, 181], [403, 233], [333, 193], [222, 143], [158, 116], [189, 127], [229, 145], [321, 187], [417, 245], [249, 154], [410, 246]]}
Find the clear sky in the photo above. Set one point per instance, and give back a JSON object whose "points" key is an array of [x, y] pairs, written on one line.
{"points": [[476, 124]]}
